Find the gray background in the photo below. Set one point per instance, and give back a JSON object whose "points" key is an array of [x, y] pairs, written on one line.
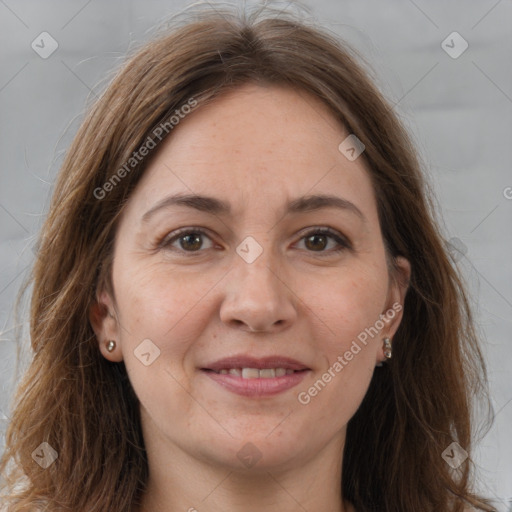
{"points": [[457, 109]]}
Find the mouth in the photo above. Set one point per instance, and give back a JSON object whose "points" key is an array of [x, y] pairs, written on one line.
{"points": [[251, 377], [250, 364], [255, 373]]}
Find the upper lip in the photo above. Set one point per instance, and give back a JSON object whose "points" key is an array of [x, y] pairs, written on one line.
{"points": [[243, 361]]}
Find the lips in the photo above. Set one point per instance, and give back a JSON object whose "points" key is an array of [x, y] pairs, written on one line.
{"points": [[256, 377], [251, 363]]}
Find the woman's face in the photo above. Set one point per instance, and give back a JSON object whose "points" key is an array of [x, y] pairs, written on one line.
{"points": [[259, 283]]}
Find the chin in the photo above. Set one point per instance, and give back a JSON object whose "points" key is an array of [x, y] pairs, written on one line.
{"points": [[255, 452]]}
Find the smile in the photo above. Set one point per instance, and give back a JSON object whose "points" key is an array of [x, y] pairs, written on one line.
{"points": [[253, 382], [255, 373]]}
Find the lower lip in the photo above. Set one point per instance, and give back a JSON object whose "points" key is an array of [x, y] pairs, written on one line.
{"points": [[257, 387]]}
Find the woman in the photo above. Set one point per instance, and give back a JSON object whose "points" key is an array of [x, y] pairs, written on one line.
{"points": [[241, 300]]}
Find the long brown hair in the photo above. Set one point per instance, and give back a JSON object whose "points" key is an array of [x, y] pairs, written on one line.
{"points": [[83, 405]]}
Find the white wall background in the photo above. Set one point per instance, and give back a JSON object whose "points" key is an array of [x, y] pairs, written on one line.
{"points": [[458, 109]]}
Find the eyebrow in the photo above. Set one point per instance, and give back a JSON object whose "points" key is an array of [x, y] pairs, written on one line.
{"points": [[216, 206]]}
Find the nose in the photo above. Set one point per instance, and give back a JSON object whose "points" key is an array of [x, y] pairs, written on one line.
{"points": [[258, 298]]}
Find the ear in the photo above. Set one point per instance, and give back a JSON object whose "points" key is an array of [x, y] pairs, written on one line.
{"points": [[393, 311], [103, 319]]}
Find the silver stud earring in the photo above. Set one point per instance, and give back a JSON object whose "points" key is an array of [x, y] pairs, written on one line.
{"points": [[387, 349], [111, 345]]}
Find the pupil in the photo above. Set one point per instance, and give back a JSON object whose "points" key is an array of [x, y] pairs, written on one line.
{"points": [[187, 238], [316, 237]]}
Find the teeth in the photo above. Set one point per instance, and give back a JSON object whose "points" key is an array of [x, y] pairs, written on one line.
{"points": [[255, 373], [250, 373]]}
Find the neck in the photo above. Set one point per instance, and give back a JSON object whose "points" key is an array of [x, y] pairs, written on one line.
{"points": [[270, 494]]}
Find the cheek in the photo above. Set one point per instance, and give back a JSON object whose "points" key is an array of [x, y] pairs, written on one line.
{"points": [[153, 298], [165, 310], [347, 339], [349, 302], [166, 307]]}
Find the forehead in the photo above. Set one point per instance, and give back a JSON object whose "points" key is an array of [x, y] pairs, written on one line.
{"points": [[255, 145]]}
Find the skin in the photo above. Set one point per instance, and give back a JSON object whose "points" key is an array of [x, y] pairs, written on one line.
{"points": [[255, 147]]}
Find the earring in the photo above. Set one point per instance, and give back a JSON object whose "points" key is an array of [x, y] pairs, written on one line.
{"points": [[111, 345], [387, 349]]}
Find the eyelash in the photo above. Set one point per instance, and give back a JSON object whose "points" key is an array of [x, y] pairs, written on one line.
{"points": [[166, 242]]}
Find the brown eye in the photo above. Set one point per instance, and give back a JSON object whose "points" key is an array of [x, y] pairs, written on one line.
{"points": [[318, 240], [190, 240]]}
